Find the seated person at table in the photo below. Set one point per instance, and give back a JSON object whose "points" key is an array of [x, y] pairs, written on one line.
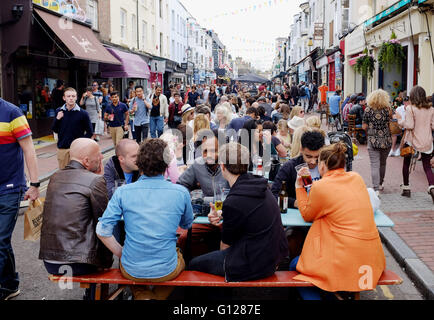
{"points": [[343, 240], [76, 198], [204, 170], [122, 166], [253, 238], [200, 175], [152, 209], [311, 144]]}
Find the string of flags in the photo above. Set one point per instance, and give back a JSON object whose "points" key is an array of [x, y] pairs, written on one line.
{"points": [[251, 8]]}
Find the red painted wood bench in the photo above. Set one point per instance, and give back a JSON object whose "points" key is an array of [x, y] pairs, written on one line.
{"points": [[281, 279]]}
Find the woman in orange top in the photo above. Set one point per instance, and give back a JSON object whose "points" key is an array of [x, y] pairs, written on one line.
{"points": [[342, 251]]}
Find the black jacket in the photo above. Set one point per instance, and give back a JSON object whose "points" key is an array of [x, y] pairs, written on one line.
{"points": [[287, 173], [112, 172], [252, 226]]}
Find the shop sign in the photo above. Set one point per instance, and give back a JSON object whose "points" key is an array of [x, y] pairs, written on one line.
{"points": [[67, 8], [322, 62], [158, 66], [386, 12]]}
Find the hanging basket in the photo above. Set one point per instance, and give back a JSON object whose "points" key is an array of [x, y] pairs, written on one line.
{"points": [[391, 54], [365, 65]]}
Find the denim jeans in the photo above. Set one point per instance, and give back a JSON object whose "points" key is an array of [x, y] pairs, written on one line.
{"points": [[212, 263], [305, 293], [156, 124], [9, 207]]}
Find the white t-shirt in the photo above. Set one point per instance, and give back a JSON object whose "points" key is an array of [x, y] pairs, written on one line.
{"points": [[314, 173], [401, 111]]}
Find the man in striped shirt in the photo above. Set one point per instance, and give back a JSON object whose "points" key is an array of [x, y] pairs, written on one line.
{"points": [[16, 145]]}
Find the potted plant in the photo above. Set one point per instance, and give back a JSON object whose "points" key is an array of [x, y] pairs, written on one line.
{"points": [[365, 64], [391, 53]]}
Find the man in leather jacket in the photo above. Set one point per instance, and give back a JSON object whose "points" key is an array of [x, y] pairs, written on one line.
{"points": [[76, 198]]}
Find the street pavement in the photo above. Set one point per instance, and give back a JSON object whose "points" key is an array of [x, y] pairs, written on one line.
{"points": [[409, 246]]}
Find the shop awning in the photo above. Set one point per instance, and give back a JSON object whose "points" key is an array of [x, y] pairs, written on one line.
{"points": [[79, 39], [133, 66]]}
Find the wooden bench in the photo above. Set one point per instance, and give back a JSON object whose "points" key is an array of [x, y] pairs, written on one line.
{"points": [[99, 282]]}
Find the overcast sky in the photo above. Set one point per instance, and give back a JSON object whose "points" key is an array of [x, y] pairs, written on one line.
{"points": [[263, 24]]}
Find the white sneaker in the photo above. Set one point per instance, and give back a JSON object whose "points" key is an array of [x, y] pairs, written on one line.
{"points": [[391, 154], [397, 153]]}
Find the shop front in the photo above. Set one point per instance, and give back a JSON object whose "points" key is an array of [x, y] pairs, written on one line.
{"points": [[321, 65], [133, 68], [42, 48]]}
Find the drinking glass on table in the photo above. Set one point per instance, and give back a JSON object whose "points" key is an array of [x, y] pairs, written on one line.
{"points": [[304, 173]]}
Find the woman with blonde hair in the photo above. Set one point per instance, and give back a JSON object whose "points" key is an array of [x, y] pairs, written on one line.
{"points": [[296, 141], [283, 134], [200, 122], [419, 124], [376, 123], [297, 112], [314, 123], [223, 116]]}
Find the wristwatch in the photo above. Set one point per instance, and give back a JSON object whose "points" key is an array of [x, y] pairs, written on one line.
{"points": [[35, 184]]}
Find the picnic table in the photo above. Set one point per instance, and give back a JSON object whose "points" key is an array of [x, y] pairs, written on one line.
{"points": [[293, 218]]}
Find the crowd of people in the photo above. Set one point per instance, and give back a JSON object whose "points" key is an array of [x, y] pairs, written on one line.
{"points": [[138, 206]]}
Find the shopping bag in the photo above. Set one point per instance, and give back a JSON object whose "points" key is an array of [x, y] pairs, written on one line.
{"points": [[33, 220], [99, 127]]}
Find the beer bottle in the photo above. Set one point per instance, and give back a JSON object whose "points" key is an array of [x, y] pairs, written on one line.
{"points": [[283, 199]]}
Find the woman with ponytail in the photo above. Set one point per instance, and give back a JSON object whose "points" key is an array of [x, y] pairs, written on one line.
{"points": [[343, 243]]}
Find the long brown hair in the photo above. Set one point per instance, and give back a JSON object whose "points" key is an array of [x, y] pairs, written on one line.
{"points": [[418, 98]]}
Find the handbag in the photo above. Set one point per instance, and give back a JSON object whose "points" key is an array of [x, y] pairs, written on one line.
{"points": [[33, 220], [394, 127], [99, 127], [406, 150]]}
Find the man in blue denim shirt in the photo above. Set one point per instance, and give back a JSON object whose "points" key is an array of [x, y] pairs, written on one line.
{"points": [[152, 209]]}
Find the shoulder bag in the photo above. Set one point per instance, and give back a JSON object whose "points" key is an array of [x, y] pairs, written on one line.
{"points": [[406, 150]]}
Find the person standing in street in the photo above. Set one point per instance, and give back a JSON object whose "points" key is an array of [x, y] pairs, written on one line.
{"points": [[118, 117], [193, 96], [335, 107], [140, 108], [419, 125], [96, 92], [93, 108], [159, 112], [16, 146], [70, 123], [376, 123], [175, 112]]}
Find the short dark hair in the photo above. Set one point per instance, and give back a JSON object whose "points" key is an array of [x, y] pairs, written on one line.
{"points": [[251, 101], [261, 110], [203, 109], [151, 157], [312, 140], [252, 110], [268, 125], [89, 89], [130, 82], [114, 93], [176, 94], [138, 87]]}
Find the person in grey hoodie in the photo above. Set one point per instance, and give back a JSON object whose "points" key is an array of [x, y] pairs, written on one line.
{"points": [[205, 170], [201, 175]]}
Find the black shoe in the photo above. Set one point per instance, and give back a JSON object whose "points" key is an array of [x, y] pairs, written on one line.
{"points": [[6, 294]]}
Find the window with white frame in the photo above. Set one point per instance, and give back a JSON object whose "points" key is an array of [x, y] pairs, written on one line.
{"points": [[144, 34], [123, 24], [173, 20], [173, 50], [133, 28], [153, 37], [161, 8], [92, 13]]}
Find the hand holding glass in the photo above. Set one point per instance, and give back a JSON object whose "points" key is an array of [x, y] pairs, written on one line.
{"points": [[304, 173]]}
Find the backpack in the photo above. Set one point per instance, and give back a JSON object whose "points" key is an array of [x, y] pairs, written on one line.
{"points": [[335, 137], [302, 91]]}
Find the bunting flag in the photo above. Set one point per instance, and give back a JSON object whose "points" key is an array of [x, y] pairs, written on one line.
{"points": [[249, 9]]}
